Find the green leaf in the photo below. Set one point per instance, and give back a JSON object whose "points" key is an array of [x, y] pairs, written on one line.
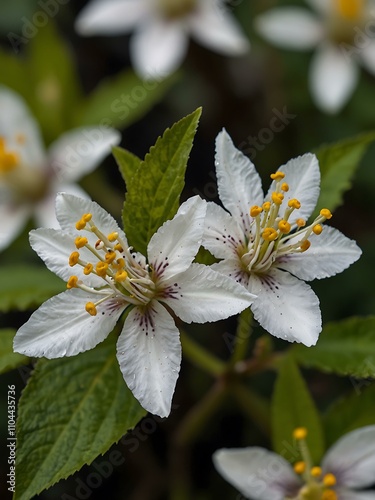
{"points": [[9, 359], [345, 347], [128, 164], [154, 192], [292, 407], [338, 163], [24, 287], [121, 100], [351, 412], [72, 410]]}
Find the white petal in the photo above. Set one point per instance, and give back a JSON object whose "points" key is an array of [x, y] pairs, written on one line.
{"points": [[290, 28], [322, 6], [110, 17], [149, 353], [302, 174], [158, 48], [55, 247], [367, 54], [333, 78], [12, 220], [62, 327], [20, 130], [214, 27], [79, 151], [257, 473], [330, 253], [222, 235], [286, 307], [352, 458], [354, 495], [173, 247], [233, 269], [203, 294], [238, 182]]}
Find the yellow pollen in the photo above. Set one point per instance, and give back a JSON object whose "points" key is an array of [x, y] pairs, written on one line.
{"points": [[80, 242], [88, 269], [325, 213], [294, 203], [316, 472], [72, 282], [119, 248], [329, 495], [112, 237], [269, 234], [299, 467], [277, 198], [73, 259], [8, 160], [110, 256], [301, 222], [300, 433], [255, 210], [329, 480], [91, 308], [80, 225], [86, 217], [350, 9], [120, 264], [101, 269], [284, 226], [266, 206], [305, 245], [317, 229], [277, 176], [121, 276], [285, 187]]}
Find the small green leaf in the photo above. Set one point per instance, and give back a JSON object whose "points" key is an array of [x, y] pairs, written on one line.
{"points": [[9, 359], [24, 287], [154, 192], [351, 412], [72, 410], [345, 347], [338, 163], [292, 407], [128, 164]]}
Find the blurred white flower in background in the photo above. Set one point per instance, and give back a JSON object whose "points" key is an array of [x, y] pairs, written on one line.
{"points": [[162, 29]]}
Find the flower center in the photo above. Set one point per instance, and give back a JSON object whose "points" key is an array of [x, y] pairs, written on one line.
{"points": [[174, 9], [347, 17], [125, 276], [8, 159], [272, 234], [349, 9]]}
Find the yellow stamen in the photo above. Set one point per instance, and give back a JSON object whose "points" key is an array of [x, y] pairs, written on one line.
{"points": [[119, 264], [305, 245], [316, 472], [101, 269], [80, 242], [285, 187], [119, 248], [350, 9], [277, 176], [73, 259], [329, 495], [8, 159], [110, 256], [88, 269], [269, 234], [284, 227], [121, 276], [300, 433], [325, 213], [329, 480], [299, 467], [317, 229], [294, 203], [255, 211], [112, 236], [301, 222], [277, 198], [81, 224], [72, 282], [91, 308], [266, 206]]}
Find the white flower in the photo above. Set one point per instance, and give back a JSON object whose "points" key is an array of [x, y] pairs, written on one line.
{"points": [[342, 33], [162, 28], [266, 245], [346, 469], [111, 278], [30, 177]]}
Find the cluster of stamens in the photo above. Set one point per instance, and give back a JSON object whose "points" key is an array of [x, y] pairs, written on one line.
{"points": [[123, 276], [272, 231], [318, 486]]}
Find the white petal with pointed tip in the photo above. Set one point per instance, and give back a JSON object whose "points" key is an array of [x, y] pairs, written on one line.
{"points": [[79, 151], [257, 473], [286, 307], [290, 28], [333, 78], [149, 354], [206, 295], [13, 218], [173, 247], [330, 253], [62, 327], [352, 458]]}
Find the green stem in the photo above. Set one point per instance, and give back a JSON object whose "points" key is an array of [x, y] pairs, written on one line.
{"points": [[254, 405], [200, 357], [243, 334]]}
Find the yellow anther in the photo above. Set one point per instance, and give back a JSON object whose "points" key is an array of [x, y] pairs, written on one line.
{"points": [[277, 176], [101, 269], [300, 433], [86, 217], [317, 229], [284, 227], [294, 203], [301, 222], [112, 236], [73, 259], [72, 282], [299, 467], [81, 224], [269, 234], [329, 480], [305, 245], [119, 264], [285, 187], [266, 206], [316, 471], [325, 213], [8, 159], [255, 211], [110, 256], [329, 495], [88, 269], [277, 198], [80, 242], [121, 276], [350, 9], [91, 308], [119, 248]]}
